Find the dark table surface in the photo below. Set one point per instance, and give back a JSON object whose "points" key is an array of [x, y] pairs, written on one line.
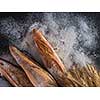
{"points": [[24, 20]]}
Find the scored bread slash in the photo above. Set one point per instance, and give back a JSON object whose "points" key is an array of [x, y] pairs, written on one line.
{"points": [[51, 61], [47, 52], [14, 75], [37, 75]]}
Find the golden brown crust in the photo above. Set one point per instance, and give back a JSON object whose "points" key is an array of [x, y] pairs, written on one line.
{"points": [[35, 73], [14, 75], [51, 61]]}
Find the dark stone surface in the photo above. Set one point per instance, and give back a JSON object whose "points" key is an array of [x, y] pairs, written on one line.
{"points": [[19, 24]]}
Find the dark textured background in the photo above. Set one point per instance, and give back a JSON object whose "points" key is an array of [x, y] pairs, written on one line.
{"points": [[24, 22]]}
